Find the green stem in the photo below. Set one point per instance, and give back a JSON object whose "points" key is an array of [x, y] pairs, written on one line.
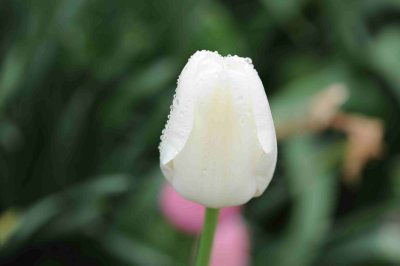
{"points": [[207, 237]]}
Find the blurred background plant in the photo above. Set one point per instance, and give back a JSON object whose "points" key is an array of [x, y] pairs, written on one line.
{"points": [[85, 88]]}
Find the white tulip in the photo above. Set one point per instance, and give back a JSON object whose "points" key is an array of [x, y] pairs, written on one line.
{"points": [[219, 145]]}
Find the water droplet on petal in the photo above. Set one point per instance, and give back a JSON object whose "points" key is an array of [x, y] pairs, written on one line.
{"points": [[204, 171]]}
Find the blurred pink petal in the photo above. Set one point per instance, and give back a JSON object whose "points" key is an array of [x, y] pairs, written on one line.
{"points": [[231, 244], [187, 215]]}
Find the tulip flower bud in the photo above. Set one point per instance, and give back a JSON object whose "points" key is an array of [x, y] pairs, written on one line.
{"points": [[219, 145]]}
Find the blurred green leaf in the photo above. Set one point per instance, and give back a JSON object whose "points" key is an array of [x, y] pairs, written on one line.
{"points": [[136, 88], [376, 245], [385, 54], [284, 10], [68, 210], [313, 188], [133, 252]]}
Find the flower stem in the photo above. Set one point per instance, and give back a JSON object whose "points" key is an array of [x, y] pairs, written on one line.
{"points": [[207, 237]]}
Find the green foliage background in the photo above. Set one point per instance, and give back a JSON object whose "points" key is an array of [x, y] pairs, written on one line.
{"points": [[85, 89]]}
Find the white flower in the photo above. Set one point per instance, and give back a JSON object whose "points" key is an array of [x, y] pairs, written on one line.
{"points": [[219, 145]]}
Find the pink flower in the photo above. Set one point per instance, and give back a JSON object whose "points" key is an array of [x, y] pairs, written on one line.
{"points": [[231, 244], [187, 215]]}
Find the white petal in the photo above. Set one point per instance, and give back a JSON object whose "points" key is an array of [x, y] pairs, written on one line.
{"points": [[264, 123], [222, 150], [244, 78], [180, 122]]}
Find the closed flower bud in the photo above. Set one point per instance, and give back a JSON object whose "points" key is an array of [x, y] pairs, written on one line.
{"points": [[219, 145]]}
